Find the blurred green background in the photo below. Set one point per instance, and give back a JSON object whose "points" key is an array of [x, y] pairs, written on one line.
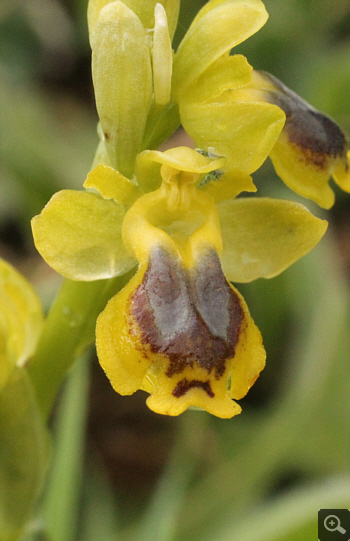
{"points": [[120, 472]]}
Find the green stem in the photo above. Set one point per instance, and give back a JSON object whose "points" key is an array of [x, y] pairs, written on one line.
{"points": [[69, 328]]}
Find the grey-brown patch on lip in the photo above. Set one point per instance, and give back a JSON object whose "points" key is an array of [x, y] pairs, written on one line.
{"points": [[315, 134], [191, 317], [185, 385]]}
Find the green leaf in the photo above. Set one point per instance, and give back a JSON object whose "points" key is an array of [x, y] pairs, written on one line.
{"points": [[292, 517], [24, 453]]}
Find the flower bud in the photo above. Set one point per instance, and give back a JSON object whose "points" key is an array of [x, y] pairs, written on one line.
{"points": [[122, 77], [144, 9]]}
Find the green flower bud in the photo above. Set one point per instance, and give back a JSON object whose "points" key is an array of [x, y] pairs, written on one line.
{"points": [[144, 9], [122, 77]]}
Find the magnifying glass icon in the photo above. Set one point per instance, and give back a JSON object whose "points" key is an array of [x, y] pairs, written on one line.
{"points": [[332, 524]]}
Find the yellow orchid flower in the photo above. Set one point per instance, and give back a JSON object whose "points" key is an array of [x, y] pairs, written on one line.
{"points": [[203, 71], [226, 107], [178, 330], [311, 147], [246, 115]]}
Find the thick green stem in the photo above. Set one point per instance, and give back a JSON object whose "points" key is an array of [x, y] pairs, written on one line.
{"points": [[69, 328]]}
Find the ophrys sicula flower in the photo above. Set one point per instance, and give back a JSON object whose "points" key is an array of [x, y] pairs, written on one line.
{"points": [[179, 329]]}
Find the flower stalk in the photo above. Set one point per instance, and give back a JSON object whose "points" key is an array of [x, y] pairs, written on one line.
{"points": [[68, 330]]}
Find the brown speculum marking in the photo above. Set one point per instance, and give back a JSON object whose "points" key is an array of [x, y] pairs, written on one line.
{"points": [[191, 316], [185, 385], [315, 134]]}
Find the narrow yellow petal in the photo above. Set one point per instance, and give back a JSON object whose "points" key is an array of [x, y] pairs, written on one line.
{"points": [[227, 185], [112, 185], [162, 57]]}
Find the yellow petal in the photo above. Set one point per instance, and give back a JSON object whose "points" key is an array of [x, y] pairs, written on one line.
{"points": [[20, 320], [242, 132], [162, 57], [219, 26], [112, 185], [79, 235], [262, 237], [122, 77]]}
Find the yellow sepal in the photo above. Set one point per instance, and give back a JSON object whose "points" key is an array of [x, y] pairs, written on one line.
{"points": [[79, 235], [242, 132], [262, 237]]}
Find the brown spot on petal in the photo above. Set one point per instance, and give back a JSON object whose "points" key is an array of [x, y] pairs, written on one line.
{"points": [[193, 317], [317, 136], [185, 385]]}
